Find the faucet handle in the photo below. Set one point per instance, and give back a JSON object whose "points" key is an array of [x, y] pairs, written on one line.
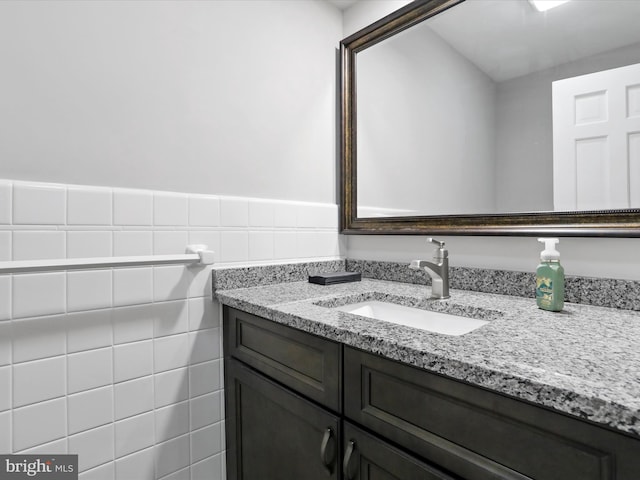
{"points": [[441, 253], [437, 242]]}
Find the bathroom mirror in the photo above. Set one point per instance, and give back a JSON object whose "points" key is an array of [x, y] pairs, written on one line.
{"points": [[489, 117]]}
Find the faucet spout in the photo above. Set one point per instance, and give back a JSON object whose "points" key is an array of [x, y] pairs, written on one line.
{"points": [[438, 271]]}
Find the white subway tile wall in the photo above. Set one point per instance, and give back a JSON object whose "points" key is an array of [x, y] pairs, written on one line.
{"points": [[39, 423], [5, 388], [132, 207], [37, 338], [128, 242], [5, 431], [170, 209], [234, 212], [5, 246], [261, 214], [89, 290], [234, 246], [91, 369], [124, 366], [90, 409], [36, 245], [89, 244], [94, 447], [132, 286], [39, 204], [5, 202], [39, 380], [204, 211], [89, 206], [5, 300], [134, 434], [138, 465], [51, 294], [261, 246]]}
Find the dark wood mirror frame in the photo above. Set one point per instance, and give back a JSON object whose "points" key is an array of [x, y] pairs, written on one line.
{"points": [[609, 223]]}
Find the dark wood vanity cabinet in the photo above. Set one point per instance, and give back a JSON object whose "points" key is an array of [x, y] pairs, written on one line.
{"points": [[273, 433], [302, 407], [283, 401]]}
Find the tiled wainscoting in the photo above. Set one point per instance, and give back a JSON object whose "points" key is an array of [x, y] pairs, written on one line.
{"points": [[123, 366]]}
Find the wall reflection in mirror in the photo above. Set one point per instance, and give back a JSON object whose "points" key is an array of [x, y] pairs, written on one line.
{"points": [[495, 107]]}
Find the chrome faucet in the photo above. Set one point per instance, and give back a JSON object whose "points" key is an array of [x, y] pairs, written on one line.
{"points": [[438, 271]]}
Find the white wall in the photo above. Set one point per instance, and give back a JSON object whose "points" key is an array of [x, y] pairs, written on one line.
{"points": [[601, 257], [232, 97], [363, 13]]}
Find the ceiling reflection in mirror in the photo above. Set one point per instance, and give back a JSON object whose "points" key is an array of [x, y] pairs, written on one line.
{"points": [[493, 107]]}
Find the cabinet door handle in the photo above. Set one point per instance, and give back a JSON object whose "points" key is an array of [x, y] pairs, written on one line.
{"points": [[327, 455], [346, 465]]}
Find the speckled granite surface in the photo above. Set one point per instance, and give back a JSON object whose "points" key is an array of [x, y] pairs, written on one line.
{"points": [[242, 277], [584, 361], [603, 292]]}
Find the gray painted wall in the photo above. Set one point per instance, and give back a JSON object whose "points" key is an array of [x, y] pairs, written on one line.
{"points": [[425, 127]]}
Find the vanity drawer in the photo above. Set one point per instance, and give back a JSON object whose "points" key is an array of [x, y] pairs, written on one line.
{"points": [[479, 434], [304, 362], [368, 457]]}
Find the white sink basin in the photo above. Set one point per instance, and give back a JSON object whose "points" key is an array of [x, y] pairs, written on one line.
{"points": [[436, 322]]}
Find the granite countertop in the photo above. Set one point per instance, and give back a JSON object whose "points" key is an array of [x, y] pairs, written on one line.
{"points": [[584, 361]]}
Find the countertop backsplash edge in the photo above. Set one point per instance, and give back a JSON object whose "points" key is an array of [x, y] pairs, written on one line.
{"points": [[600, 292]]}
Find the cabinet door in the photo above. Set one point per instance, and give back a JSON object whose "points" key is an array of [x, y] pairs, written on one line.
{"points": [[273, 434], [369, 458]]}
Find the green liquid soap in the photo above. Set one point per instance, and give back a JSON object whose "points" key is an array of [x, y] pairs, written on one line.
{"points": [[550, 278]]}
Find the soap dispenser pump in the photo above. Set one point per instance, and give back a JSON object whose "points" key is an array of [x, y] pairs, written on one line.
{"points": [[550, 277]]}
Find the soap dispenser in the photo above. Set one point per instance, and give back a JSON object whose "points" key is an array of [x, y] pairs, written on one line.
{"points": [[550, 277]]}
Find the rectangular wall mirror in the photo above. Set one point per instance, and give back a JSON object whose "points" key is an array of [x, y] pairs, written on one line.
{"points": [[491, 117]]}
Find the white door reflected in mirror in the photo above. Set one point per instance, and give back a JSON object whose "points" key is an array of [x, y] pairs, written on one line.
{"points": [[596, 140]]}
